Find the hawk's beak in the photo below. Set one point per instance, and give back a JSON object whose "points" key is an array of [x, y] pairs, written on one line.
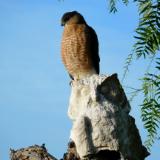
{"points": [[62, 23]]}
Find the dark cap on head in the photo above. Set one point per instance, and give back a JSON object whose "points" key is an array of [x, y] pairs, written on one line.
{"points": [[68, 15]]}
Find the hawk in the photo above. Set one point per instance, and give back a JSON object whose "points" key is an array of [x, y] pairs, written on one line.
{"points": [[79, 48]]}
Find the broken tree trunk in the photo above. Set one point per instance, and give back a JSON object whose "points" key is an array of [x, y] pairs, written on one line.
{"points": [[31, 153], [102, 127]]}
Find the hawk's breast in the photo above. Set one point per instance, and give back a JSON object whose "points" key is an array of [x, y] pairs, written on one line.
{"points": [[76, 50]]}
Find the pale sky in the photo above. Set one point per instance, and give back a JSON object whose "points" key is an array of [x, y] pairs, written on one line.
{"points": [[34, 85]]}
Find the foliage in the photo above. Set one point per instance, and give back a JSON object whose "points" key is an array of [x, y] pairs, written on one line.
{"points": [[112, 5], [127, 64], [151, 106], [148, 31], [147, 45]]}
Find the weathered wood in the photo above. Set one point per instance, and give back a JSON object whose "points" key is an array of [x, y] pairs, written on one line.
{"points": [[102, 125], [31, 153]]}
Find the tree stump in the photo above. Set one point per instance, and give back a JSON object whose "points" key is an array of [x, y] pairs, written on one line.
{"points": [[102, 127], [31, 153]]}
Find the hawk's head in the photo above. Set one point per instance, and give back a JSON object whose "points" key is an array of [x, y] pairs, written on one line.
{"points": [[72, 18]]}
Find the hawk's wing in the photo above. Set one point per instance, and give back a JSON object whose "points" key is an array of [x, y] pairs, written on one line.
{"points": [[94, 49]]}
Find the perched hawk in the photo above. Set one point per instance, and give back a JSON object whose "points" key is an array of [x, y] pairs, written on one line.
{"points": [[79, 46]]}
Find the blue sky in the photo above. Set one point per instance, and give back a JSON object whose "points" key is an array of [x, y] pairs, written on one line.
{"points": [[34, 86]]}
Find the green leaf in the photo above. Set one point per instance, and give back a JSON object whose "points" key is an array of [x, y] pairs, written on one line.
{"points": [[147, 44], [112, 6]]}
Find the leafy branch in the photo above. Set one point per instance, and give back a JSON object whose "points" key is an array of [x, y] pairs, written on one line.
{"points": [[147, 45], [112, 5], [128, 62], [151, 106], [148, 31]]}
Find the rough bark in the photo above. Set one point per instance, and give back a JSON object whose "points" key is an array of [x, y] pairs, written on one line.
{"points": [[102, 125], [31, 153]]}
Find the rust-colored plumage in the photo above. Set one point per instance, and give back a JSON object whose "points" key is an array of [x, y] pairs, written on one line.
{"points": [[79, 46]]}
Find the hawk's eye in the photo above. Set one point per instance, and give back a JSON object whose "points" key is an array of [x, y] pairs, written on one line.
{"points": [[66, 18]]}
